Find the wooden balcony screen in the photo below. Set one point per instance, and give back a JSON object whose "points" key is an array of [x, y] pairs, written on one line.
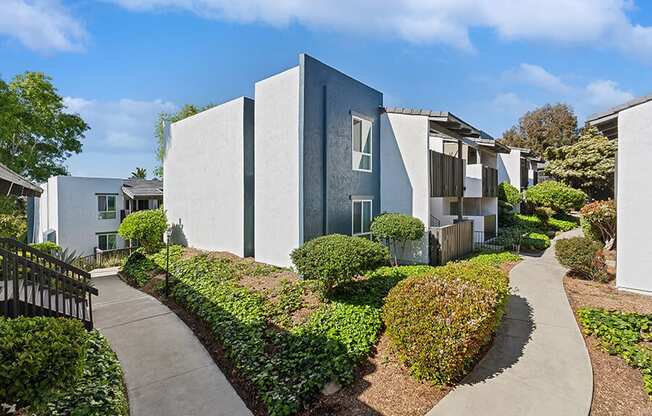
{"points": [[489, 182], [446, 175]]}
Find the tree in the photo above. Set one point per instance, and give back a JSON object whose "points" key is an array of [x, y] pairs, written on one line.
{"points": [[139, 173], [165, 118], [589, 164], [37, 135], [545, 127]]}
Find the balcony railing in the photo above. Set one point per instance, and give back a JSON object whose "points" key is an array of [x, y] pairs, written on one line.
{"points": [[446, 175]]}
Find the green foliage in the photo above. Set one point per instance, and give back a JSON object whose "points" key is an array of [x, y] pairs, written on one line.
{"points": [[139, 268], [98, 392], [535, 241], [159, 131], [589, 164], [555, 195], [47, 246], [39, 356], [598, 220], [495, 259], [36, 134], [288, 367], [395, 228], [622, 334], [335, 259], [562, 223], [439, 322], [145, 226], [583, 256], [139, 173], [13, 225], [548, 126], [508, 193], [543, 214]]}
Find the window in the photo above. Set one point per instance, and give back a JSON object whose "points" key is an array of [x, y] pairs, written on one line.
{"points": [[143, 204], [106, 207], [361, 215], [106, 241], [472, 157], [361, 144]]}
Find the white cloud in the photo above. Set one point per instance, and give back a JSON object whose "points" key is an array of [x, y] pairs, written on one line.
{"points": [[603, 94], [510, 103], [537, 76], [580, 22], [120, 126], [42, 25]]}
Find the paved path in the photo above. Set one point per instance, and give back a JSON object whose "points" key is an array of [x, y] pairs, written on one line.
{"points": [[167, 370], [538, 364]]}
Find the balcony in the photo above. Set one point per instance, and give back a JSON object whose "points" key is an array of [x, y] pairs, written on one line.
{"points": [[480, 181]]}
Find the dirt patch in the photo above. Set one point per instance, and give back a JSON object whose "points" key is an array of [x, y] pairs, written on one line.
{"points": [[383, 387], [269, 284], [617, 387]]}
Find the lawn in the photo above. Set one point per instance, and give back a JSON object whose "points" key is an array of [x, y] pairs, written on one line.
{"points": [[282, 341]]}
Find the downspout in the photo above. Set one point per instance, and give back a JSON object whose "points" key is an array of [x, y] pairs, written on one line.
{"points": [[460, 187]]}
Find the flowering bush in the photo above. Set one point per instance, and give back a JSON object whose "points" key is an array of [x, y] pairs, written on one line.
{"points": [[599, 221]]}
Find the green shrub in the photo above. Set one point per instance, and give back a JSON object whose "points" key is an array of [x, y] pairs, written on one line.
{"points": [[396, 230], [139, 268], [38, 356], [509, 193], [535, 241], [543, 214], [47, 246], [598, 221], [555, 195], [13, 225], [147, 227], [99, 390], [440, 322], [505, 213], [562, 223], [622, 334], [335, 259], [495, 259], [582, 256]]}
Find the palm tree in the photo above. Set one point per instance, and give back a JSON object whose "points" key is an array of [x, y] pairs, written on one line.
{"points": [[139, 173]]}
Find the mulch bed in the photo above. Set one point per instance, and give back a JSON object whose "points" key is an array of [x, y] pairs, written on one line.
{"points": [[617, 387]]}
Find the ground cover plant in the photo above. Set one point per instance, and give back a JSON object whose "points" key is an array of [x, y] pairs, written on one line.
{"points": [[53, 366], [622, 334], [439, 322]]}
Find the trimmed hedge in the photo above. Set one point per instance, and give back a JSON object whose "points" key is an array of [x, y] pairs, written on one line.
{"points": [[335, 259], [439, 322], [397, 229], [509, 193], [583, 256], [57, 368], [147, 227], [555, 195], [47, 246], [535, 241]]}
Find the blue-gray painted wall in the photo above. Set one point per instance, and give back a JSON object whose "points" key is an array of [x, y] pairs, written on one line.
{"points": [[328, 98]]}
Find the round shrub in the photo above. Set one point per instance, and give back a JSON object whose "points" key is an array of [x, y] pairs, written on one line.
{"points": [[508, 193], [582, 256], [439, 322], [47, 246], [535, 241], [39, 355], [335, 259], [397, 229], [555, 195], [598, 220], [147, 227], [543, 214]]}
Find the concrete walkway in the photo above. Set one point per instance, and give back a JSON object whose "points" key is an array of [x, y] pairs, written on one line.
{"points": [[167, 370], [538, 364]]}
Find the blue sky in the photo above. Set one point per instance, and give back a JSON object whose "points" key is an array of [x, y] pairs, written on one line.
{"points": [[121, 62]]}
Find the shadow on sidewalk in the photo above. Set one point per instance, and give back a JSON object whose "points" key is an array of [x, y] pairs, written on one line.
{"points": [[514, 334]]}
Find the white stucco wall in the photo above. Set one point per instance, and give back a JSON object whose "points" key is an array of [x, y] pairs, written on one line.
{"points": [[509, 168], [278, 168], [69, 206], [404, 183], [634, 266], [203, 189]]}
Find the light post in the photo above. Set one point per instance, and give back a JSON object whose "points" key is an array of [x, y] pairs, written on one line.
{"points": [[168, 235]]}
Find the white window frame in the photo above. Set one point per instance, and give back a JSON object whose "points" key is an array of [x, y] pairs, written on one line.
{"points": [[371, 145], [106, 215], [115, 238], [371, 216]]}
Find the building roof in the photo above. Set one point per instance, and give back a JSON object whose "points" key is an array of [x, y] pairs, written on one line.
{"points": [[142, 188], [444, 119], [14, 184], [619, 108]]}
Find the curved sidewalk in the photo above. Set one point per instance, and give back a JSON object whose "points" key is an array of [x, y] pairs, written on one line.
{"points": [[538, 363], [167, 370]]}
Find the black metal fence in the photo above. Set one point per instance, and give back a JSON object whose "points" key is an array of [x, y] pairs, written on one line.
{"points": [[105, 258], [508, 239]]}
